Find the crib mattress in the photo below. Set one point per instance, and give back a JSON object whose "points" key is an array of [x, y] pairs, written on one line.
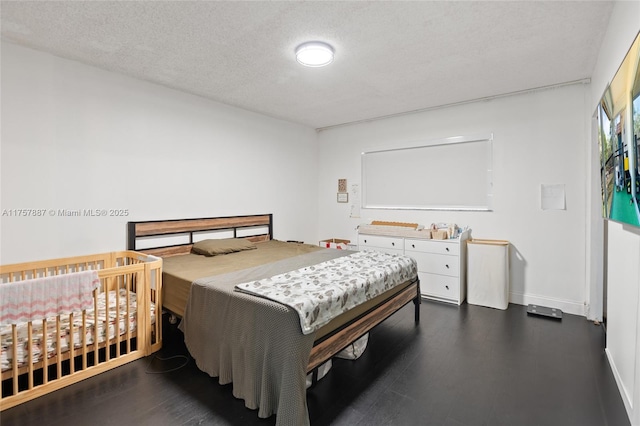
{"points": [[46, 344]]}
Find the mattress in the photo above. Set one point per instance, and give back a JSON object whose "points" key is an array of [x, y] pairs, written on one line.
{"points": [[178, 272]]}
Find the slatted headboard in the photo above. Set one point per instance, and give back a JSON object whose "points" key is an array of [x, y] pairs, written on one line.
{"points": [[176, 236]]}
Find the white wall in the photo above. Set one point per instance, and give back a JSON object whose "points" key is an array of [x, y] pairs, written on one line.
{"points": [[623, 243], [77, 137], [538, 139]]}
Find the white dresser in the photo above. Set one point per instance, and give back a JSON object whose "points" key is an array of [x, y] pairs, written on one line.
{"points": [[441, 263]]}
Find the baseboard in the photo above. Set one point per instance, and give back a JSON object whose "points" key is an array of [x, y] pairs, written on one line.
{"points": [[567, 306], [628, 404]]}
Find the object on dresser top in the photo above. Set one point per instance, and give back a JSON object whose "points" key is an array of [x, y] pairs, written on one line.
{"points": [[446, 231], [436, 231], [334, 243], [439, 234], [401, 231], [386, 223]]}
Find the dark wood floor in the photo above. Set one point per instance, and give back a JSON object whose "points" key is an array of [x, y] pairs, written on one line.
{"points": [[465, 365]]}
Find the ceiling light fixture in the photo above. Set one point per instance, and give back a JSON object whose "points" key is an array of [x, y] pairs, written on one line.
{"points": [[314, 54]]}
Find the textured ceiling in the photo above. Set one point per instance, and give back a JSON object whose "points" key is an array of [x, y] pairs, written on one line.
{"points": [[391, 57]]}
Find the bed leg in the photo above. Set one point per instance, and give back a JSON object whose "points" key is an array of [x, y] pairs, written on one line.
{"points": [[417, 302], [314, 378]]}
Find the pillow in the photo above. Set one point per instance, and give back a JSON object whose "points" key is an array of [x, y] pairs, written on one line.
{"points": [[222, 246]]}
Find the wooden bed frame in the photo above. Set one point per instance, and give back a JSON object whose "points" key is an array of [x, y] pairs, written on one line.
{"points": [[260, 228], [86, 353]]}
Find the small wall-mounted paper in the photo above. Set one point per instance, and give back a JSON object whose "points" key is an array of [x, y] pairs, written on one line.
{"points": [[552, 197], [355, 201]]}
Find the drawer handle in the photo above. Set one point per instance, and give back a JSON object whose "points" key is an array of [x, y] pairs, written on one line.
{"points": [[447, 266], [393, 244], [446, 248], [413, 246], [365, 241], [447, 287]]}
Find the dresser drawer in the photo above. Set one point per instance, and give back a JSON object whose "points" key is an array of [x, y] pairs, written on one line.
{"points": [[436, 263], [376, 241], [432, 246], [382, 249], [439, 286]]}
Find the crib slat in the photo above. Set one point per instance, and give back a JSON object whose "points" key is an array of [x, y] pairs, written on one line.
{"points": [[116, 325], [14, 361], [72, 368], [120, 314], [96, 320], [143, 310], [128, 315], [45, 352], [58, 348], [30, 355], [84, 338], [106, 319], [156, 327]]}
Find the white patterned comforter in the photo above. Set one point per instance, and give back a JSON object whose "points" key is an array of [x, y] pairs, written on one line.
{"points": [[319, 293]]}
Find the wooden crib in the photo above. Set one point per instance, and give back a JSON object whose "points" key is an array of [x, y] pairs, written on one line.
{"points": [[124, 324]]}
